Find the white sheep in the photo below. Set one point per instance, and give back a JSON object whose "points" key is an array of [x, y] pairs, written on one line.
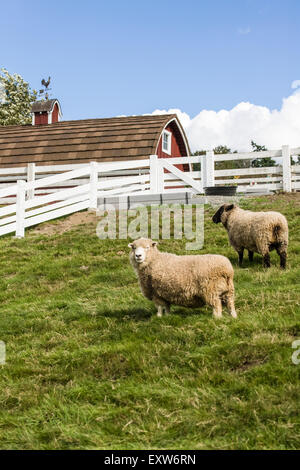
{"points": [[259, 232], [188, 281]]}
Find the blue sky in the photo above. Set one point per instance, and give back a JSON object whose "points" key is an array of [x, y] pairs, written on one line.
{"points": [[115, 57]]}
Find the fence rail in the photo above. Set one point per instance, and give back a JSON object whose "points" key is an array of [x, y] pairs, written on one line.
{"points": [[35, 194]]}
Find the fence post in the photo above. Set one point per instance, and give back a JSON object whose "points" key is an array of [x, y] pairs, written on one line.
{"points": [[30, 177], [93, 185], [208, 169], [153, 164], [201, 172], [20, 209], [286, 169], [160, 177]]}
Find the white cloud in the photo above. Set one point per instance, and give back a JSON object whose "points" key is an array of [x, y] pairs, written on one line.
{"points": [[295, 84], [244, 31], [243, 123]]}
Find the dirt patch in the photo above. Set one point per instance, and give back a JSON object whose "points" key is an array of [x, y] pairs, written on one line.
{"points": [[248, 364], [61, 226]]}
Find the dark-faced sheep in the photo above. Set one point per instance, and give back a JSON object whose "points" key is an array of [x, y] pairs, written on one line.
{"points": [[257, 232], [188, 281]]}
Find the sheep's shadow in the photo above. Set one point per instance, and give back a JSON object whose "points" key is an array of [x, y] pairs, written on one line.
{"points": [[144, 314], [141, 314], [185, 312], [257, 262]]}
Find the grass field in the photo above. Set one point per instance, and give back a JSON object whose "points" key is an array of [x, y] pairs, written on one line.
{"points": [[90, 366]]}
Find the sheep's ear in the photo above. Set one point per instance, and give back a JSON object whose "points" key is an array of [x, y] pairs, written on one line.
{"points": [[154, 243], [217, 217], [130, 245], [230, 207]]}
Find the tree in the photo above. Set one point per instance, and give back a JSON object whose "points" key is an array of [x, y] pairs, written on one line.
{"points": [[226, 164], [197, 166], [261, 162], [199, 152], [16, 98], [221, 149], [297, 161], [229, 164]]}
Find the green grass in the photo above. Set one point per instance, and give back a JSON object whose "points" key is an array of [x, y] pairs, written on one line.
{"points": [[89, 365]]}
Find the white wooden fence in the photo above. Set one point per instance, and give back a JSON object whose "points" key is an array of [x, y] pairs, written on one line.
{"points": [[284, 176], [36, 198]]}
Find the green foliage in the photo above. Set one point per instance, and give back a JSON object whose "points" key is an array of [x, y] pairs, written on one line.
{"points": [[258, 148], [197, 166], [16, 99], [221, 149], [90, 366], [234, 164], [228, 164], [261, 162], [295, 160]]}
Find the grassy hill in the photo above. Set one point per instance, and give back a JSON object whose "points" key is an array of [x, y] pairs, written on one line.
{"points": [[89, 365]]}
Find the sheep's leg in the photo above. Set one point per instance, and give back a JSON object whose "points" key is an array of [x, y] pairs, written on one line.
{"points": [[283, 260], [250, 255], [229, 299], [241, 255], [161, 306], [266, 262], [166, 309], [230, 305], [217, 307], [159, 310], [282, 252]]}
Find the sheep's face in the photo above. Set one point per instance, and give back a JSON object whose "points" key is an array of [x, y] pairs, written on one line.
{"points": [[141, 250], [222, 213]]}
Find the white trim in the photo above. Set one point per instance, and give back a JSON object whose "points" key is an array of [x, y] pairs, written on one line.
{"points": [[182, 135], [59, 110], [51, 111], [169, 142]]}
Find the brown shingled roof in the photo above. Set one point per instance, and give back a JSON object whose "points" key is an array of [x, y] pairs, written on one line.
{"points": [[133, 137], [43, 105]]}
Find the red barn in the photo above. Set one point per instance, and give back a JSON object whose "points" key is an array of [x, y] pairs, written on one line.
{"points": [[50, 141]]}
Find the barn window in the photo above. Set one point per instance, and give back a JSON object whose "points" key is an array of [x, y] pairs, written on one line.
{"points": [[166, 142]]}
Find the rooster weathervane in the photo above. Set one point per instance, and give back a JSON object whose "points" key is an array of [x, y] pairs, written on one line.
{"points": [[45, 90]]}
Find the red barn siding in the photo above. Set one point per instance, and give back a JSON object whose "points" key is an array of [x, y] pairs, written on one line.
{"points": [[178, 147], [41, 118], [55, 113]]}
